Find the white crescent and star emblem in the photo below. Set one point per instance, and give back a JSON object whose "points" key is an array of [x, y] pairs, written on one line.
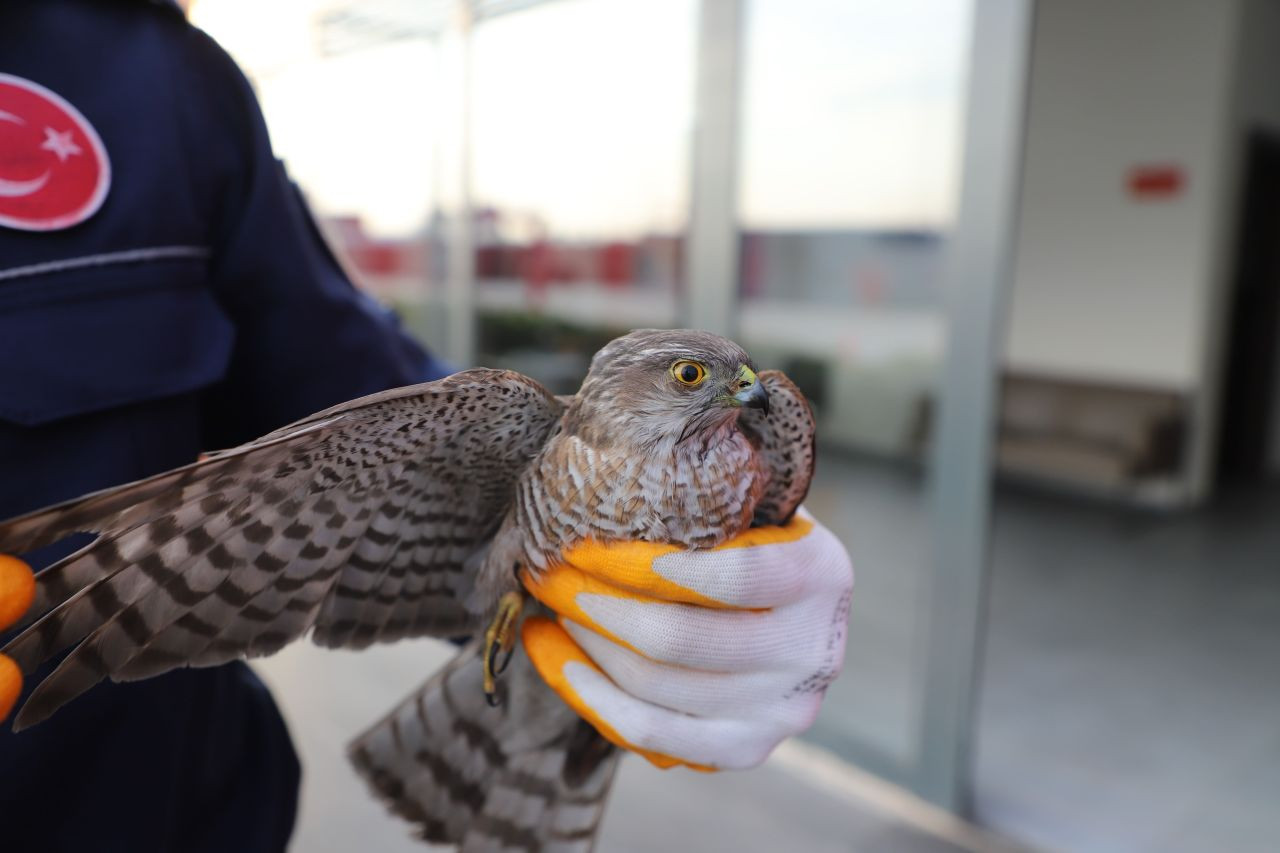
{"points": [[54, 170], [14, 189], [60, 144]]}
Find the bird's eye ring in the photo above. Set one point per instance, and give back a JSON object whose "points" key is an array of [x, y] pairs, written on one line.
{"points": [[688, 372]]}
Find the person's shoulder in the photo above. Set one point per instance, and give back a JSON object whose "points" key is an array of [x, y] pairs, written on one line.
{"points": [[201, 54], [213, 87], [155, 34]]}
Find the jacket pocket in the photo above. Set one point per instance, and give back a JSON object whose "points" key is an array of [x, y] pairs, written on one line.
{"points": [[93, 338]]}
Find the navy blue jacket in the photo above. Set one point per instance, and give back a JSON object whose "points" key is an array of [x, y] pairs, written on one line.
{"points": [[198, 308]]}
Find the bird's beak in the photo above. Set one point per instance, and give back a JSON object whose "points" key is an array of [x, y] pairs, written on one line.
{"points": [[749, 391]]}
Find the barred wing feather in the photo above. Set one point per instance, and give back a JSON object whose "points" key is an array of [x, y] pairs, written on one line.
{"points": [[361, 522]]}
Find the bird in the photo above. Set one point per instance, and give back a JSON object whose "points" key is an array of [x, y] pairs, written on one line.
{"points": [[414, 512]]}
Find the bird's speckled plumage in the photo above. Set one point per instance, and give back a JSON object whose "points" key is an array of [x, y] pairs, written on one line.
{"points": [[625, 463], [405, 514]]}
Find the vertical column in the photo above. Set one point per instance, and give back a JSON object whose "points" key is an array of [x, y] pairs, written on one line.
{"points": [[711, 251], [455, 188], [976, 284]]}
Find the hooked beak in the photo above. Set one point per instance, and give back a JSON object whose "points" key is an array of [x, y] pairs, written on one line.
{"points": [[750, 391]]}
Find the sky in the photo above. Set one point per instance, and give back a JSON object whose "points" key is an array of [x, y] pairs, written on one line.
{"points": [[582, 112]]}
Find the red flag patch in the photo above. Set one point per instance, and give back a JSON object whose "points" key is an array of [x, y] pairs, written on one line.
{"points": [[54, 172]]}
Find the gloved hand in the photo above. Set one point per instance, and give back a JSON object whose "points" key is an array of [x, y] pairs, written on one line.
{"points": [[707, 659], [17, 589]]}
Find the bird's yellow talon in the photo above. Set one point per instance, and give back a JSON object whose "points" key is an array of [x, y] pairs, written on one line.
{"points": [[500, 636]]}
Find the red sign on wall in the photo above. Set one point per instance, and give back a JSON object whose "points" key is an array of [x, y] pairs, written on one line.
{"points": [[1156, 182]]}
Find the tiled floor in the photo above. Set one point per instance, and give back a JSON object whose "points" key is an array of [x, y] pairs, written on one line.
{"points": [[1130, 698]]}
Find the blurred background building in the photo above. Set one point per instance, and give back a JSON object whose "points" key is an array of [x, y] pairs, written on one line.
{"points": [[1028, 243]]}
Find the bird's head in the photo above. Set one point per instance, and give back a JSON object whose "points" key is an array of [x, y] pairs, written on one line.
{"points": [[653, 385]]}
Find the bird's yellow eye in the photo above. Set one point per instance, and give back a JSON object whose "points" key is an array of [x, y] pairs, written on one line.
{"points": [[688, 372]]}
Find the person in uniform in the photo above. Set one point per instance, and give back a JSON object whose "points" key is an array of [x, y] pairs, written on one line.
{"points": [[163, 291]]}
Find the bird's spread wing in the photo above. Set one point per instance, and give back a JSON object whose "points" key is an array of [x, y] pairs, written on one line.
{"points": [[363, 521], [785, 440]]}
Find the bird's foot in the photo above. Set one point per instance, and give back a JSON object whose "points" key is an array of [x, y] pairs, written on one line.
{"points": [[500, 637]]}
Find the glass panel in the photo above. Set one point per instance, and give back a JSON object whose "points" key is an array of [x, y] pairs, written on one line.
{"points": [[581, 115], [850, 167], [352, 107]]}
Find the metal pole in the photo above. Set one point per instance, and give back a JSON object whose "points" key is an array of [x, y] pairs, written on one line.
{"points": [[460, 254], [976, 284], [711, 251]]}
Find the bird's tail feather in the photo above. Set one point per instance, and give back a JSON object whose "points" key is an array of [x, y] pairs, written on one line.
{"points": [[526, 775]]}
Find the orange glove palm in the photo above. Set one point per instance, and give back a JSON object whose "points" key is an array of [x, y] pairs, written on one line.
{"points": [[17, 589]]}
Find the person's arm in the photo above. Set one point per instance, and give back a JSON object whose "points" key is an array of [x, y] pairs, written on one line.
{"points": [[306, 338]]}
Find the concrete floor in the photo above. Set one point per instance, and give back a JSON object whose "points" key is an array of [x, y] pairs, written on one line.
{"points": [[791, 803]]}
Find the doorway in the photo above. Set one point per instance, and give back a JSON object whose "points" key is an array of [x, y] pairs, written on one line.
{"points": [[1249, 428]]}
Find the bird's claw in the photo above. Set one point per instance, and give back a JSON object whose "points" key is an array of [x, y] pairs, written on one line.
{"points": [[500, 637], [506, 660]]}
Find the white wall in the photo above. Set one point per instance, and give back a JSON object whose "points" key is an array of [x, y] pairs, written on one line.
{"points": [[1107, 287]]}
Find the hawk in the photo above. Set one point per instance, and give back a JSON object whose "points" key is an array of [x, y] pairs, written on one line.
{"points": [[410, 513]]}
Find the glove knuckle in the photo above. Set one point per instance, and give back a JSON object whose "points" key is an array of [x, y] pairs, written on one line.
{"points": [[802, 711], [670, 646]]}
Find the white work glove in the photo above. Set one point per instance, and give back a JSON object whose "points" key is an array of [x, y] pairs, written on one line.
{"points": [[707, 659]]}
